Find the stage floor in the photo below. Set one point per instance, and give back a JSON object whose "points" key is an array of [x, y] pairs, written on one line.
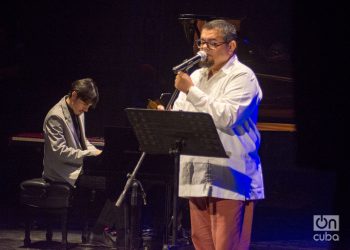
{"points": [[12, 239]]}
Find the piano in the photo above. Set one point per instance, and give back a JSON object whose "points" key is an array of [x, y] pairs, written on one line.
{"points": [[119, 157], [121, 154], [39, 138]]}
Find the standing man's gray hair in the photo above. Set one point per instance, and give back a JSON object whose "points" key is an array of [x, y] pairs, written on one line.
{"points": [[227, 29]]}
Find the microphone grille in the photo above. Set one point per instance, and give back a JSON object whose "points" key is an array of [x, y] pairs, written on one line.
{"points": [[202, 54]]}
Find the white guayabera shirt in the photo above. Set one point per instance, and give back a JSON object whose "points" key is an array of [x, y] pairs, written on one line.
{"points": [[231, 97]]}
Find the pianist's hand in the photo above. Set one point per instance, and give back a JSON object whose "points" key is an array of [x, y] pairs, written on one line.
{"points": [[96, 152]]}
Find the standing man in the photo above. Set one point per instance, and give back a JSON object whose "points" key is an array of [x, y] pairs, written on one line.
{"points": [[222, 191], [64, 132]]}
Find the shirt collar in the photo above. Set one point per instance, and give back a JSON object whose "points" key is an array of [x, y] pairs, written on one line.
{"points": [[229, 63], [224, 68]]}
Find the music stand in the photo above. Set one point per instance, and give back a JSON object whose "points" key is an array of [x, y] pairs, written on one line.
{"points": [[177, 133]]}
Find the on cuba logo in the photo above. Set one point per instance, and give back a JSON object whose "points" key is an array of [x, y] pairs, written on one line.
{"points": [[326, 224]]}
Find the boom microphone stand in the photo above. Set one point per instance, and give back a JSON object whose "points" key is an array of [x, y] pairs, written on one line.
{"points": [[184, 66], [176, 133]]}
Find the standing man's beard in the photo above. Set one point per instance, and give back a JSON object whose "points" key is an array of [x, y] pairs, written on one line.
{"points": [[206, 64]]}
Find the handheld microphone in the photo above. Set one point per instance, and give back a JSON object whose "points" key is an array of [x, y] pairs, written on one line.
{"points": [[188, 63]]}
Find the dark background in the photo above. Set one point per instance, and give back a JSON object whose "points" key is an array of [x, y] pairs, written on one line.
{"points": [[129, 48]]}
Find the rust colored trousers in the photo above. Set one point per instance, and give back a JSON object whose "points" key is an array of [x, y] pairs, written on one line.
{"points": [[221, 224]]}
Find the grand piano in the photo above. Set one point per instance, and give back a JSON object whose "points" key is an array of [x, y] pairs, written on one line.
{"points": [[120, 155]]}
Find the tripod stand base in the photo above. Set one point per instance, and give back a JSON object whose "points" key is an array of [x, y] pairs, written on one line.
{"points": [[184, 245], [176, 247]]}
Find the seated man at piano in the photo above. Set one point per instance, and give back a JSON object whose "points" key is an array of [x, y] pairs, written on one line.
{"points": [[64, 132], [66, 144]]}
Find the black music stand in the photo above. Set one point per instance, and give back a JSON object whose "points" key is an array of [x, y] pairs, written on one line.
{"points": [[177, 133]]}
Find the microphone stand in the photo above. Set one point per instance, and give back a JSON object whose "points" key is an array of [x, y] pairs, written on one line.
{"points": [[176, 151], [176, 91], [131, 177], [132, 230]]}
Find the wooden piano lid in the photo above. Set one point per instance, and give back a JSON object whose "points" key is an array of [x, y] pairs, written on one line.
{"points": [[201, 19], [193, 23]]}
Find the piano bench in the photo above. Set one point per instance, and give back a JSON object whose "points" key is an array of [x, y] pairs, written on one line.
{"points": [[41, 198]]}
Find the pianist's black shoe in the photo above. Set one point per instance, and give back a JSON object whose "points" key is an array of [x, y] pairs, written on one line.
{"points": [[102, 240]]}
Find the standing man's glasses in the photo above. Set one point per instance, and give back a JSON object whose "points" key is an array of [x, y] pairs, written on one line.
{"points": [[210, 44]]}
